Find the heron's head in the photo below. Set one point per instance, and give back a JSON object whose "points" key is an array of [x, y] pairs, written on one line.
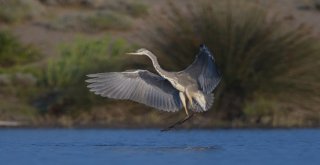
{"points": [[141, 51], [200, 98]]}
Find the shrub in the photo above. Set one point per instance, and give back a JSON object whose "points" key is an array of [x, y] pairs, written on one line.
{"points": [[14, 53], [255, 52], [83, 57], [65, 76]]}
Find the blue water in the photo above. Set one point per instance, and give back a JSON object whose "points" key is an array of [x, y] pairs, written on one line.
{"points": [[103, 146]]}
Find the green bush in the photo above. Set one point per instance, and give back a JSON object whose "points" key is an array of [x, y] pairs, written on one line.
{"points": [[64, 76], [12, 52], [83, 57], [255, 52]]}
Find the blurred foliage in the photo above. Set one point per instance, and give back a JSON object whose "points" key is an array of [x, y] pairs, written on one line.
{"points": [[96, 16], [91, 22], [64, 76], [10, 109], [105, 20], [260, 108], [17, 85], [82, 57], [14, 11], [256, 52], [132, 8], [309, 5], [12, 52]]}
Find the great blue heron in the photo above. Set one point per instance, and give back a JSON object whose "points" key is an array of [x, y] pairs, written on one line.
{"points": [[171, 91]]}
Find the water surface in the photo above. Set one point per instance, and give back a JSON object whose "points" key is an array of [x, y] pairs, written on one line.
{"points": [[103, 146]]}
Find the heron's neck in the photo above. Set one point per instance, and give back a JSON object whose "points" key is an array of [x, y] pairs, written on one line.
{"points": [[156, 64]]}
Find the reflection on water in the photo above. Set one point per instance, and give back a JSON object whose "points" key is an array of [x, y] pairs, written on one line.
{"points": [[160, 148], [133, 147]]}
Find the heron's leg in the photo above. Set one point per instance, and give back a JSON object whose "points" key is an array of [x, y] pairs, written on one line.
{"points": [[189, 96], [183, 100], [178, 123]]}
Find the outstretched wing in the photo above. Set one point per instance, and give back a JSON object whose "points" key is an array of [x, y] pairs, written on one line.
{"points": [[141, 86], [204, 70]]}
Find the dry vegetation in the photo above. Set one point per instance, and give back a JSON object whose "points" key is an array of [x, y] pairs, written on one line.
{"points": [[269, 64]]}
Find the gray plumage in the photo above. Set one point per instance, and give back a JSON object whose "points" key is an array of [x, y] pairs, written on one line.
{"points": [[141, 86], [171, 91], [204, 70]]}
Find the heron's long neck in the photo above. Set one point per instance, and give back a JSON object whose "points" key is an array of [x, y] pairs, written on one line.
{"points": [[156, 64]]}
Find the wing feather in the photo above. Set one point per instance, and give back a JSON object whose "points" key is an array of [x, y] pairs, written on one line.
{"points": [[141, 86], [204, 70]]}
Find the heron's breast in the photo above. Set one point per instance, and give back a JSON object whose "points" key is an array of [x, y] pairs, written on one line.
{"points": [[178, 85]]}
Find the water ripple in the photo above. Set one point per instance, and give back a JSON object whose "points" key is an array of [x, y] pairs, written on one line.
{"points": [[159, 148]]}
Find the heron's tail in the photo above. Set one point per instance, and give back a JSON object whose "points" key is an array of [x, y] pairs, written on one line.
{"points": [[196, 106]]}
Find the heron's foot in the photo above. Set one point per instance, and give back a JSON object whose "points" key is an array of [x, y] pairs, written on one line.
{"points": [[177, 123]]}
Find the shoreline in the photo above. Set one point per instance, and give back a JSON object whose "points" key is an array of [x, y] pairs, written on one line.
{"points": [[17, 125]]}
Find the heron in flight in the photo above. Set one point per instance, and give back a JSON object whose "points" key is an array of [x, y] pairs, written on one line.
{"points": [[190, 89]]}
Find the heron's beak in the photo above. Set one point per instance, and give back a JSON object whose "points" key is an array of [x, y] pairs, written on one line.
{"points": [[135, 53]]}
